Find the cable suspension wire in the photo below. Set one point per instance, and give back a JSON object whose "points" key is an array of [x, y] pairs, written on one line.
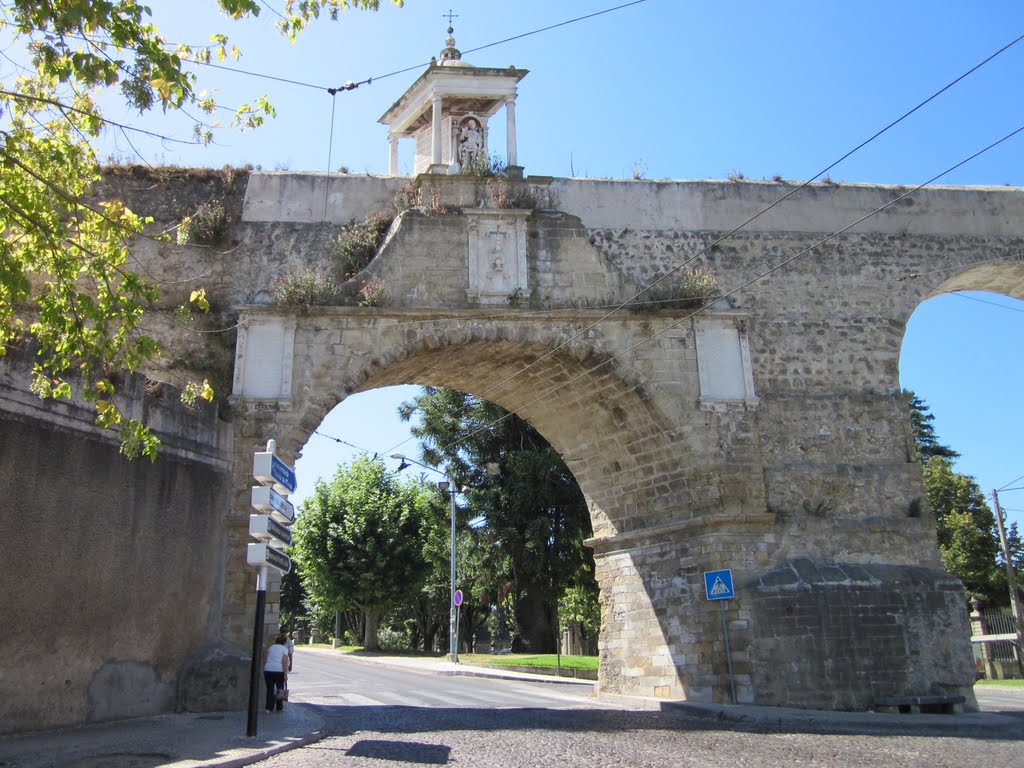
{"points": [[1007, 486], [984, 301], [761, 213], [739, 288], [353, 85], [339, 440], [746, 222]]}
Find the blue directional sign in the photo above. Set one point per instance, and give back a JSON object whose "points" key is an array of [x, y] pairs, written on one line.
{"points": [[718, 585], [269, 469], [267, 500]]}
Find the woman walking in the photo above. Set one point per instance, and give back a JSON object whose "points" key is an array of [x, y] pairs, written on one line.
{"points": [[275, 673]]}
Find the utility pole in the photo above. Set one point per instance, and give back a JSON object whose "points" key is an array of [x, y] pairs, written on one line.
{"points": [[1011, 580]]}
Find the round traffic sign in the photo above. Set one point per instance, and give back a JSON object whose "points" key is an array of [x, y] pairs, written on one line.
{"points": [[457, 598]]}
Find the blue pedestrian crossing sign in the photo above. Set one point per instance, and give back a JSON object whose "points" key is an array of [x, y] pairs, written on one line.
{"points": [[718, 584]]}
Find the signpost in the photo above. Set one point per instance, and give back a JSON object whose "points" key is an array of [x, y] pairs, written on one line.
{"points": [[266, 499], [718, 586], [270, 529], [457, 602]]}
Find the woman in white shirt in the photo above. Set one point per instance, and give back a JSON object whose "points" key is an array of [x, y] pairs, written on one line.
{"points": [[275, 672]]}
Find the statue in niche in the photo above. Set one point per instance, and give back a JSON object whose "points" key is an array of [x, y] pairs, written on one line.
{"points": [[470, 141]]}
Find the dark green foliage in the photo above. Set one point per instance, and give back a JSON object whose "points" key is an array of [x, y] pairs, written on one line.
{"points": [[966, 527], [923, 429], [359, 541], [207, 226], [533, 516]]}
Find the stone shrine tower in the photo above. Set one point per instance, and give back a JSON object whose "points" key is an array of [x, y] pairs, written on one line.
{"points": [[446, 111]]}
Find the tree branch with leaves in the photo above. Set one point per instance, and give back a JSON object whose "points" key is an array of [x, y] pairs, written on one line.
{"points": [[65, 284]]}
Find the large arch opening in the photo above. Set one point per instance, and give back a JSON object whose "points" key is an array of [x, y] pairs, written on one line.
{"points": [[640, 457], [521, 522], [961, 356], [961, 359]]}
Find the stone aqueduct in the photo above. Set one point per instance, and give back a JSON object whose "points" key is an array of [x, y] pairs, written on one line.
{"points": [[766, 433]]}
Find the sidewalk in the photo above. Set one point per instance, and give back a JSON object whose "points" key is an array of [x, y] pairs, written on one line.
{"points": [[218, 739], [181, 741]]}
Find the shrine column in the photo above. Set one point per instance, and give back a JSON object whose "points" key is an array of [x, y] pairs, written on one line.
{"points": [[393, 156], [436, 138], [510, 116]]}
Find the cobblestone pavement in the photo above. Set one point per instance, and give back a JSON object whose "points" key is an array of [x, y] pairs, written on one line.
{"points": [[601, 738]]}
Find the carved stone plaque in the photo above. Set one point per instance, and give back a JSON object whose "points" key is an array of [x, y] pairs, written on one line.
{"points": [[497, 254]]}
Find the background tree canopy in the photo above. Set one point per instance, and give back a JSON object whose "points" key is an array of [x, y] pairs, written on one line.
{"points": [[532, 517], [965, 525], [65, 283], [359, 541]]}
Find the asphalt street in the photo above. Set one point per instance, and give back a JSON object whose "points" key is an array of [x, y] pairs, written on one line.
{"points": [[380, 716]]}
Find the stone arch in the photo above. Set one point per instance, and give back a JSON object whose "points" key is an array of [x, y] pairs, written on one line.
{"points": [[998, 276], [644, 451], [593, 408]]}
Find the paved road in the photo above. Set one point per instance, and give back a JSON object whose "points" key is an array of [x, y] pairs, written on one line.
{"points": [[383, 717], [338, 682]]}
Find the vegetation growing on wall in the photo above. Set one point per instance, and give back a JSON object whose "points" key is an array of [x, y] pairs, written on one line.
{"points": [[357, 243], [206, 226], [305, 288], [687, 290], [65, 278]]}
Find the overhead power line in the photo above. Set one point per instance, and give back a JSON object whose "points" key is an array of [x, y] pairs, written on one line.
{"points": [[986, 301], [747, 284], [352, 85], [746, 222]]}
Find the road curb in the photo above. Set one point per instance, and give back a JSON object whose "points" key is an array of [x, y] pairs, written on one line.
{"points": [[847, 722]]}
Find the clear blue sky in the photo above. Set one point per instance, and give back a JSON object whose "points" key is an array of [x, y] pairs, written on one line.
{"points": [[679, 90]]}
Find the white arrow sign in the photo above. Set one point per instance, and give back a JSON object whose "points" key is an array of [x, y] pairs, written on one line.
{"points": [[266, 528], [265, 555], [267, 500], [270, 470]]}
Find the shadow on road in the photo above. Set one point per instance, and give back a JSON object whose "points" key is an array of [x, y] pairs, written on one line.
{"points": [[350, 720]]}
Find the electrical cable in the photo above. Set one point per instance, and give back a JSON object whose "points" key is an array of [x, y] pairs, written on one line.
{"points": [[349, 86], [339, 440], [753, 218], [1007, 488], [983, 301], [750, 282]]}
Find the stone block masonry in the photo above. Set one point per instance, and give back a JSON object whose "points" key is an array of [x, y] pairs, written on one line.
{"points": [[765, 433], [797, 451]]}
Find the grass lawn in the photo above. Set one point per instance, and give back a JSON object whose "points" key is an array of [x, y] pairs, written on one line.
{"points": [[1005, 683], [328, 647], [518, 659], [531, 660]]}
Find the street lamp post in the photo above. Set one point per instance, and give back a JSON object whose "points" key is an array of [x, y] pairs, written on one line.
{"points": [[449, 485]]}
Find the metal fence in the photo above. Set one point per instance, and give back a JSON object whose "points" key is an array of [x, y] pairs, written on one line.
{"points": [[999, 621]]}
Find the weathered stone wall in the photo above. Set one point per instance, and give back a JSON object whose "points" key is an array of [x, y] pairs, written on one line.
{"points": [[809, 470], [113, 569], [817, 466], [856, 625]]}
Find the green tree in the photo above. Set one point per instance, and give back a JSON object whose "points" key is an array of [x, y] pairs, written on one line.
{"points": [[65, 285], [966, 527], [923, 428], [531, 507], [358, 541]]}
